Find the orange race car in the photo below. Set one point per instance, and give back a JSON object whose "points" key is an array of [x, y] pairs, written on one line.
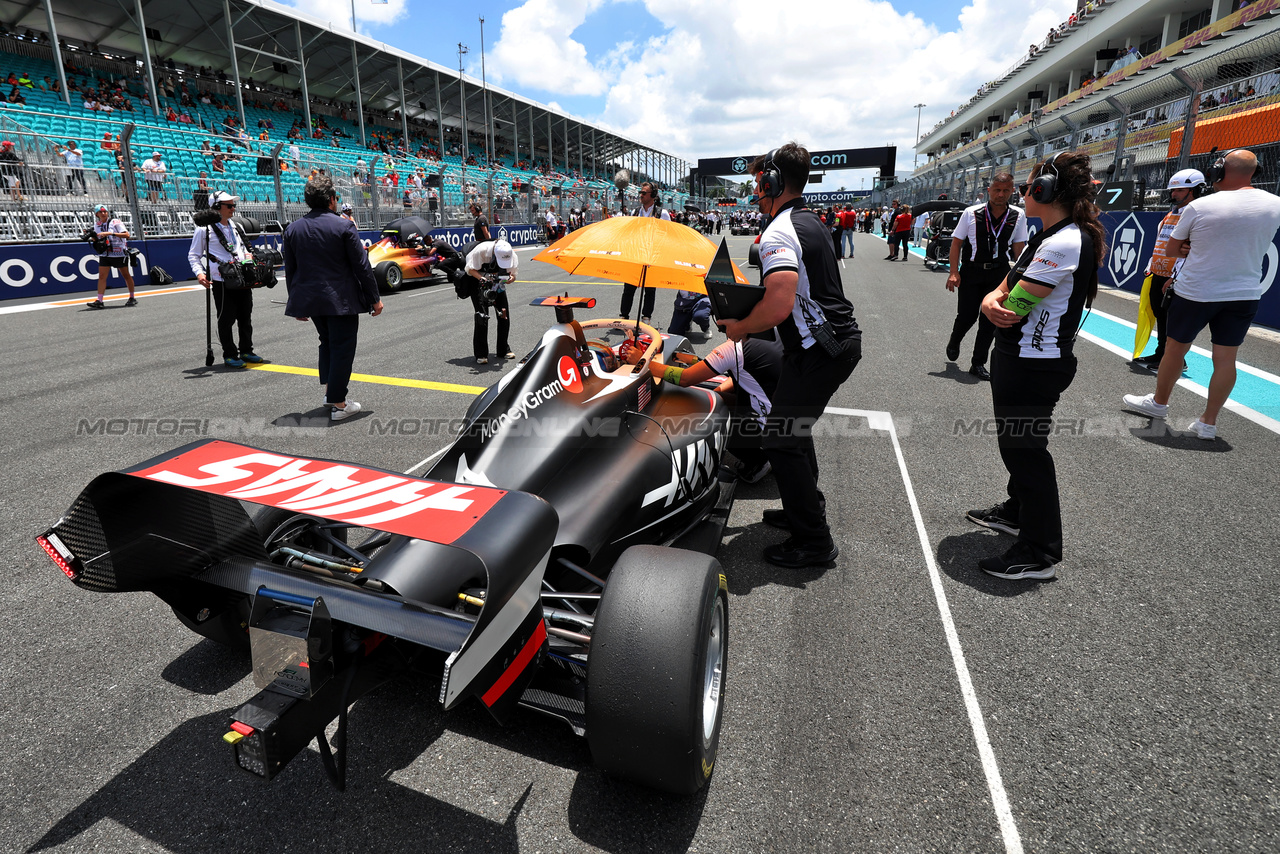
{"points": [[401, 254]]}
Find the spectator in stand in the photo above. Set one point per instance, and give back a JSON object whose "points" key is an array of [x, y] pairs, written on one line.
{"points": [[155, 171], [74, 158], [15, 97], [218, 164], [11, 167]]}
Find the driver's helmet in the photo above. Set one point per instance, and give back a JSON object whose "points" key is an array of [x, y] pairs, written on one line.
{"points": [[632, 349], [606, 362]]}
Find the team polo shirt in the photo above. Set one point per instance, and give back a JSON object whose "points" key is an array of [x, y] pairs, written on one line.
{"points": [[1060, 258], [975, 226], [796, 240], [754, 365]]}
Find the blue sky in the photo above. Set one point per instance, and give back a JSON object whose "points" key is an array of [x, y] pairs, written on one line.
{"points": [[706, 78]]}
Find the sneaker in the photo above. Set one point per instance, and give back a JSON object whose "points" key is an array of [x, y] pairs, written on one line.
{"points": [[482, 360], [794, 555], [996, 518], [754, 474], [1202, 430], [1020, 561], [252, 358], [96, 304], [329, 407], [130, 302], [233, 363], [510, 354], [953, 351], [340, 414], [1146, 404]]}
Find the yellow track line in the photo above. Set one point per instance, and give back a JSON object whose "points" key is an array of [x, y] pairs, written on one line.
{"points": [[372, 378]]}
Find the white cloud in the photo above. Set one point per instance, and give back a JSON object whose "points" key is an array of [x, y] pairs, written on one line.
{"points": [[726, 78], [535, 49], [338, 12]]}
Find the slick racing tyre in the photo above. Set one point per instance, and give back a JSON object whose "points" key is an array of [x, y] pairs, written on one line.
{"points": [[655, 675], [389, 276]]}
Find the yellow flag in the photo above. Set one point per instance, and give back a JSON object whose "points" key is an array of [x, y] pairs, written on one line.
{"points": [[1146, 319]]}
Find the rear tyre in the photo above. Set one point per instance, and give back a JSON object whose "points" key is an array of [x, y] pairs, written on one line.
{"points": [[389, 276], [655, 675]]}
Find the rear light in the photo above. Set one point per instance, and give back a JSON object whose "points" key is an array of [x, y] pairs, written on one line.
{"points": [[59, 554]]}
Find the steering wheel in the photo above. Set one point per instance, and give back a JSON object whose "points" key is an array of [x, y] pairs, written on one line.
{"points": [[624, 325]]}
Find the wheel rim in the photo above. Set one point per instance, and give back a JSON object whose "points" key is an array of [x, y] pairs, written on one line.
{"points": [[393, 277], [713, 673]]}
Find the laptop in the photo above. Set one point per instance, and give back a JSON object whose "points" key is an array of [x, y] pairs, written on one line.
{"points": [[730, 300]]}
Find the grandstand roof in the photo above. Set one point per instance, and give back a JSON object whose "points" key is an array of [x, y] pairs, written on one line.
{"points": [[267, 37]]}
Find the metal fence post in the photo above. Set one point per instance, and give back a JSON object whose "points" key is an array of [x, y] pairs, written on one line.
{"points": [[1194, 86], [275, 171], [373, 192], [130, 182]]}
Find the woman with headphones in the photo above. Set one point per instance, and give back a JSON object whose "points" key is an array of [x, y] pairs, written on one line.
{"points": [[1037, 311]]}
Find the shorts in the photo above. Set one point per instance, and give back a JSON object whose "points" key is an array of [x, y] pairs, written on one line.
{"points": [[13, 181], [1227, 321], [112, 261]]}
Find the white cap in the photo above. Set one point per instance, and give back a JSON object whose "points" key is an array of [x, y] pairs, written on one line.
{"points": [[156, 155], [503, 254], [219, 197], [1186, 179]]}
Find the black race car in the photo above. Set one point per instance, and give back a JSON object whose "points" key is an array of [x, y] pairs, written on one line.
{"points": [[556, 557]]}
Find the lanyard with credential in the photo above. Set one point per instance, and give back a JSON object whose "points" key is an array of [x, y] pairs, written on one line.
{"points": [[995, 232]]}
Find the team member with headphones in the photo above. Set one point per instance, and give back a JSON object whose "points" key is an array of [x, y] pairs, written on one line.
{"points": [[1036, 311], [804, 298], [1184, 186], [1219, 284]]}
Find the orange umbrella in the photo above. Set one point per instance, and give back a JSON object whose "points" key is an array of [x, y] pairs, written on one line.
{"points": [[637, 250]]}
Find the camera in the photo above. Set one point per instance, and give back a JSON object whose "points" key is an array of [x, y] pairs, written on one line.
{"points": [[489, 289], [100, 242]]}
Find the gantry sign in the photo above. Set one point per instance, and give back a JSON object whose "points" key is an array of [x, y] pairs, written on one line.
{"points": [[885, 159]]}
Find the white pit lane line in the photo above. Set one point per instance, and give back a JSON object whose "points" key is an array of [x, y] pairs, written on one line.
{"points": [[999, 799]]}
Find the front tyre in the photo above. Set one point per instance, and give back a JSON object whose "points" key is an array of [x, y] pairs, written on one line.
{"points": [[389, 276], [655, 675]]}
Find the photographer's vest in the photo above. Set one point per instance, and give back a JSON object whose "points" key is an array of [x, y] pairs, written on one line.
{"points": [[656, 211], [988, 247]]}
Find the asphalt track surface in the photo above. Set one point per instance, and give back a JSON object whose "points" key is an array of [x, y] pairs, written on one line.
{"points": [[1129, 705]]}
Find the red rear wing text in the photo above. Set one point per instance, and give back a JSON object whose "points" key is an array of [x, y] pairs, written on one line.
{"points": [[339, 492]]}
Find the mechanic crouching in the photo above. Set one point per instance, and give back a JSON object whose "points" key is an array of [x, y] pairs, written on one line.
{"points": [[491, 265]]}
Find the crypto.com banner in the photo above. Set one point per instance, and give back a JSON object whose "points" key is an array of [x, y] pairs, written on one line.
{"points": [[49, 269], [1131, 238]]}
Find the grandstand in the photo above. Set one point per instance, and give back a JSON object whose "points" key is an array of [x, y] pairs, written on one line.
{"points": [[1147, 87], [398, 133]]}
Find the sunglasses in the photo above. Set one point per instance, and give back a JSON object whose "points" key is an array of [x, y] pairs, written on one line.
{"points": [[228, 204], [1023, 189]]}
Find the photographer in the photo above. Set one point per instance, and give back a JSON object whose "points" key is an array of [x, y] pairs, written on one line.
{"points": [[804, 298], [330, 283], [221, 244], [493, 265], [110, 241]]}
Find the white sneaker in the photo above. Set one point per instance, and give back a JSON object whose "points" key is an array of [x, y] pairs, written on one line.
{"points": [[1146, 404], [483, 360], [1202, 430], [340, 414]]}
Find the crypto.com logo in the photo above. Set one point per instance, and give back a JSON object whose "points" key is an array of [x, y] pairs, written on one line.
{"points": [[1124, 255], [740, 165]]}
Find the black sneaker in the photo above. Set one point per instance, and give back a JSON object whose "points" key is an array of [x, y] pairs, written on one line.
{"points": [[96, 304], [953, 351], [995, 518], [130, 302], [793, 555], [1020, 561]]}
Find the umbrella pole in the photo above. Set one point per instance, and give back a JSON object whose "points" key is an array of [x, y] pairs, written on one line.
{"points": [[640, 308]]}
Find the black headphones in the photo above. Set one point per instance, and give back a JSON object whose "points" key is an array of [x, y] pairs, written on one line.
{"points": [[771, 181], [1218, 170], [1044, 189]]}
